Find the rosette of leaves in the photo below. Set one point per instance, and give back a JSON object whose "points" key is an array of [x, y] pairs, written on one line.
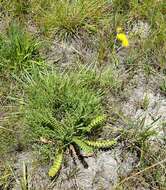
{"points": [[63, 110]]}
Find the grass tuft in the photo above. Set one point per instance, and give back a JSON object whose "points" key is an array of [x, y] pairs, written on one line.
{"points": [[67, 18], [19, 52]]}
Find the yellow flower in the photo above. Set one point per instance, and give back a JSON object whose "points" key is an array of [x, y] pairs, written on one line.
{"points": [[122, 37]]}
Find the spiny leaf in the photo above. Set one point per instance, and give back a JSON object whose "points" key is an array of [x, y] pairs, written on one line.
{"points": [[100, 144], [84, 147], [57, 164], [94, 123]]}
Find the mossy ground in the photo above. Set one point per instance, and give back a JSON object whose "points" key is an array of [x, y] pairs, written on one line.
{"points": [[38, 37]]}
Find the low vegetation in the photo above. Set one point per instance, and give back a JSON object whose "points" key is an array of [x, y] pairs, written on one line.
{"points": [[18, 51], [61, 110], [107, 49], [68, 18]]}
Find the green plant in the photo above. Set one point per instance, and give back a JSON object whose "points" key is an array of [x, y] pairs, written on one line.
{"points": [[139, 133], [61, 110], [18, 51], [16, 8], [149, 170], [68, 17]]}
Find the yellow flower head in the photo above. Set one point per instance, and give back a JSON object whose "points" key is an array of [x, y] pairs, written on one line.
{"points": [[122, 37]]}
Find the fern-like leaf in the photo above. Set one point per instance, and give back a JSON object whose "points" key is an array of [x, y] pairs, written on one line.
{"points": [[57, 164], [83, 146], [100, 143], [94, 123]]}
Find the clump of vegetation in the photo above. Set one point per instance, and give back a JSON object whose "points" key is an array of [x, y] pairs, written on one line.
{"points": [[150, 172], [18, 51], [67, 18], [149, 169], [61, 110], [17, 8], [138, 134]]}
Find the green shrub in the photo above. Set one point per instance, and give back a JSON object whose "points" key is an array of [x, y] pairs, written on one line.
{"points": [[61, 110]]}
